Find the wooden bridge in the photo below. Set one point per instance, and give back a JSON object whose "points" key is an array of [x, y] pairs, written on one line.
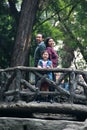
{"points": [[18, 93]]}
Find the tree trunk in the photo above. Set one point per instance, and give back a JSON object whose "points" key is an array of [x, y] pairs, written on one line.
{"points": [[23, 38]]}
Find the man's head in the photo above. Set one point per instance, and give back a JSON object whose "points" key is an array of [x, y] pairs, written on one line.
{"points": [[39, 38]]}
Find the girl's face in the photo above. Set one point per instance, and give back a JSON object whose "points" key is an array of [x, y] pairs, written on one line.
{"points": [[51, 42], [45, 56]]}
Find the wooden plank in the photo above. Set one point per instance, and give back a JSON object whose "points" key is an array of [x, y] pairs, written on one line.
{"points": [[44, 107]]}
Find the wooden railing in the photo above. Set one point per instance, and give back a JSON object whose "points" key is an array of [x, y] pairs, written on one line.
{"points": [[16, 84]]}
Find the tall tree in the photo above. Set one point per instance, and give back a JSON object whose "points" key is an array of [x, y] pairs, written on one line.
{"points": [[23, 38]]}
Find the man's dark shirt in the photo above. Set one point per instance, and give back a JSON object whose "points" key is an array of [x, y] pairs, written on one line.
{"points": [[38, 52]]}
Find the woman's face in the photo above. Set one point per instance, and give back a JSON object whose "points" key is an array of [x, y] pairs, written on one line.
{"points": [[51, 42]]}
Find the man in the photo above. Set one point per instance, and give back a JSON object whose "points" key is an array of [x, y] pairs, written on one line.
{"points": [[39, 49], [38, 52]]}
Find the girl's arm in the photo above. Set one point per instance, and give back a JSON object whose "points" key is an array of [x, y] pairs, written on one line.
{"points": [[39, 66], [50, 65]]}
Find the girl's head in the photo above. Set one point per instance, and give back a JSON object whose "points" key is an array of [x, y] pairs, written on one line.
{"points": [[45, 55], [49, 42]]}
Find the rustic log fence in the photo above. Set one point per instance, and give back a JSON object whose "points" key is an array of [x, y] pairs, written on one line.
{"points": [[15, 87]]}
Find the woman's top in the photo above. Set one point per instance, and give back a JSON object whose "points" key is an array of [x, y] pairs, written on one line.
{"points": [[53, 56]]}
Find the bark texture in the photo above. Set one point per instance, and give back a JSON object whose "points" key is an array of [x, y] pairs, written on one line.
{"points": [[23, 38]]}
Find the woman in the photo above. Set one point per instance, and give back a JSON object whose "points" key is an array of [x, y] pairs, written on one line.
{"points": [[52, 53], [53, 56]]}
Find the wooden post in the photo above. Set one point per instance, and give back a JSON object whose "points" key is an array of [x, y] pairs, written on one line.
{"points": [[2, 85], [17, 85], [72, 86]]}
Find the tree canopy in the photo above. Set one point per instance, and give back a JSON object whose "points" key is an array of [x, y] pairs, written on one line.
{"points": [[21, 20]]}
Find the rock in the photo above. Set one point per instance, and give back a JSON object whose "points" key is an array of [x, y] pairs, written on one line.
{"points": [[8, 123]]}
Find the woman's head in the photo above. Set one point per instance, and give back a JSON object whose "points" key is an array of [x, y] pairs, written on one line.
{"points": [[49, 42]]}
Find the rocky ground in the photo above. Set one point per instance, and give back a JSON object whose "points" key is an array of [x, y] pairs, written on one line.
{"points": [[40, 121], [40, 124]]}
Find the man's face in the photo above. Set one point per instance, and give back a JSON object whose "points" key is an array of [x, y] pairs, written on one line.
{"points": [[39, 38]]}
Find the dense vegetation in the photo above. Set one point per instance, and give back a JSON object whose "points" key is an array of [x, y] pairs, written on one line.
{"points": [[64, 20]]}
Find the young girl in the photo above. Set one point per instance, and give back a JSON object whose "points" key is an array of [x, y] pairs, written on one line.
{"points": [[45, 63]]}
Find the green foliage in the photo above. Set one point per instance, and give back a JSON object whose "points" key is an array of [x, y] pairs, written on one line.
{"points": [[64, 20], [49, 30], [7, 36]]}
